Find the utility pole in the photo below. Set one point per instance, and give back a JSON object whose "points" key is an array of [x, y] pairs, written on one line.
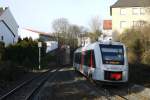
{"points": [[39, 45]]}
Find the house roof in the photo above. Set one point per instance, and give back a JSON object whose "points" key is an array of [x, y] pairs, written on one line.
{"points": [[36, 31], [131, 3], [40, 32]]}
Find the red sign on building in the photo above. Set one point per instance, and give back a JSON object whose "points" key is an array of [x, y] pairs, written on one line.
{"points": [[107, 24]]}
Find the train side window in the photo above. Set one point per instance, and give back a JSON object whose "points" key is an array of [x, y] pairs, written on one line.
{"points": [[2, 38], [84, 57], [93, 58], [87, 58], [77, 58]]}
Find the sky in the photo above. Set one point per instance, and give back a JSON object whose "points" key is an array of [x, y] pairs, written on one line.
{"points": [[39, 14]]}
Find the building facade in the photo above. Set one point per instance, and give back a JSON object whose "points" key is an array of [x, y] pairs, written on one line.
{"points": [[83, 40], [8, 27], [129, 13]]}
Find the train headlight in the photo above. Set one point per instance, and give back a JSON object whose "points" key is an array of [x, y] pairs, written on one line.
{"points": [[115, 76]]}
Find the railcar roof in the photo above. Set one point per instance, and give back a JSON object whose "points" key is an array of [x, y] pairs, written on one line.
{"points": [[91, 46], [113, 43]]}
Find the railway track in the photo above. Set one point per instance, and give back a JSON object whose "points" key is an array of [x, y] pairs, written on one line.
{"points": [[115, 94], [27, 89], [127, 92], [111, 93], [107, 92]]}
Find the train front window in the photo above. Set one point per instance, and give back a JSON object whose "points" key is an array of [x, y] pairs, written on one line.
{"points": [[112, 54]]}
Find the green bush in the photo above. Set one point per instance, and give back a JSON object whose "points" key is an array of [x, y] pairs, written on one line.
{"points": [[49, 59], [146, 57], [2, 51], [25, 53], [10, 71], [132, 57], [137, 40], [18, 58]]}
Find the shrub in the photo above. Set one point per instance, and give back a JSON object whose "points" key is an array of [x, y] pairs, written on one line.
{"points": [[2, 50], [25, 53], [138, 42], [7, 70], [48, 59], [132, 58], [146, 57]]}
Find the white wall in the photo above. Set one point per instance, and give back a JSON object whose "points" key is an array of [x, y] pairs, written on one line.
{"points": [[23, 33], [129, 17], [8, 37], [9, 19], [8, 27], [51, 45], [107, 32]]}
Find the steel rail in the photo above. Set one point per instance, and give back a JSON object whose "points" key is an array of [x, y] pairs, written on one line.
{"points": [[18, 87], [105, 91], [11, 92], [108, 92], [36, 90], [33, 91]]}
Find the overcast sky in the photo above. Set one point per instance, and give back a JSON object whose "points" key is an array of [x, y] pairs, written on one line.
{"points": [[39, 14]]}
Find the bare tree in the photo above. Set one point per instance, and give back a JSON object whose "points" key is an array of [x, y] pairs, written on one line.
{"points": [[65, 32], [60, 25], [95, 26], [84, 29], [74, 31], [73, 34]]}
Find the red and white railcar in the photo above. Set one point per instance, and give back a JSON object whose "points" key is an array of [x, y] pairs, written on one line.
{"points": [[103, 61]]}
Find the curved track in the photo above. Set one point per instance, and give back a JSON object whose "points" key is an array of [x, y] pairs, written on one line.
{"points": [[27, 89], [109, 92]]}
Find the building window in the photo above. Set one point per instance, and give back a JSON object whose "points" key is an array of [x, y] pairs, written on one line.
{"points": [[136, 11], [13, 41], [138, 23], [122, 11], [123, 24], [142, 11], [2, 38]]}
